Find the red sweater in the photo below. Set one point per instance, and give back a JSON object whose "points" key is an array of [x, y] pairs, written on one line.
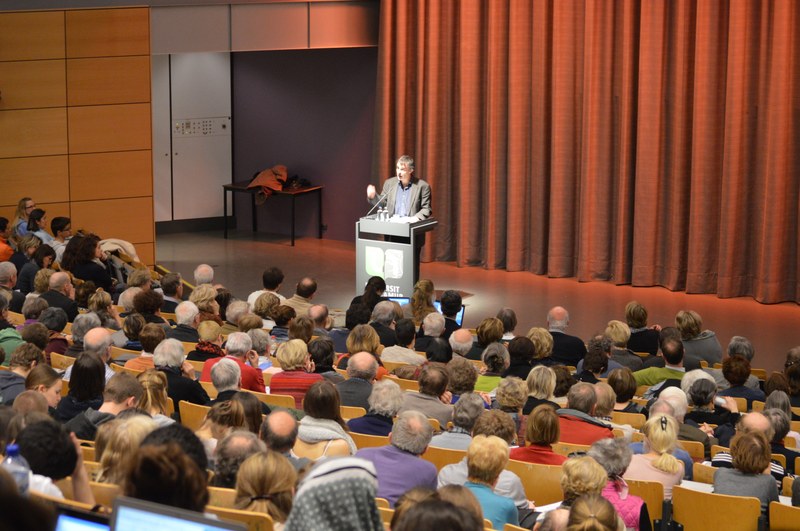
{"points": [[294, 384], [541, 455], [577, 430], [252, 378]]}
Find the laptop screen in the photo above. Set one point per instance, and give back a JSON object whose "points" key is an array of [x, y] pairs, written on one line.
{"points": [[135, 515], [74, 520], [437, 304]]}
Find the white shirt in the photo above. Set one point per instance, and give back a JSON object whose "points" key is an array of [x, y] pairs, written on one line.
{"points": [[251, 299]]}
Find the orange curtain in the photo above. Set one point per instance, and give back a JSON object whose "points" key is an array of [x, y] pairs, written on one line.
{"points": [[644, 142]]}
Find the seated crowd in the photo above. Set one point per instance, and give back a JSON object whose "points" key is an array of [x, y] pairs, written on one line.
{"points": [[314, 425]]}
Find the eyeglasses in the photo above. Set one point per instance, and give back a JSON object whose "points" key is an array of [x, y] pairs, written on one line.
{"points": [[28, 207]]}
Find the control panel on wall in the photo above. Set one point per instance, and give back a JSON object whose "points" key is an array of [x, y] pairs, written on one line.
{"points": [[189, 127]]}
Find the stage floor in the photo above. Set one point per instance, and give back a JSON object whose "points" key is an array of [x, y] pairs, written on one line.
{"points": [[239, 261]]}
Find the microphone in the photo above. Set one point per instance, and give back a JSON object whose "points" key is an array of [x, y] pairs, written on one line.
{"points": [[381, 199]]}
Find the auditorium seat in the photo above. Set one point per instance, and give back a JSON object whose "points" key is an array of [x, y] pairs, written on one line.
{"points": [[565, 448], [697, 511], [60, 362], [221, 497], [442, 457], [368, 441], [253, 520], [192, 415], [783, 517], [695, 449], [542, 483], [703, 473], [652, 492]]}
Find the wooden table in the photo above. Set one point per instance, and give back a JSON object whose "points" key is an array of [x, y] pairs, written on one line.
{"points": [[292, 192]]}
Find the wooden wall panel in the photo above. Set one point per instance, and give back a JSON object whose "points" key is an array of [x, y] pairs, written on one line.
{"points": [[30, 133], [107, 80], [26, 36], [127, 219], [45, 179], [109, 128], [108, 32], [32, 84], [146, 252], [110, 175]]}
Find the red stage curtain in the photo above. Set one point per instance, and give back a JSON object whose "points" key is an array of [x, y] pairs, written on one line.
{"points": [[645, 142]]}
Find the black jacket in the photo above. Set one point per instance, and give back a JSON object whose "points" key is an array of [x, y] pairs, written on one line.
{"points": [[59, 300]]}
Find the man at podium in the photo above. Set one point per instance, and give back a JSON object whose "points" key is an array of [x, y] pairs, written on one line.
{"points": [[405, 197]]}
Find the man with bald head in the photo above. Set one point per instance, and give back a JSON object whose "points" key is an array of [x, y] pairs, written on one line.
{"points": [[461, 342], [279, 433], [301, 300], [577, 422], [322, 319], [567, 349], [754, 421], [361, 371], [61, 295]]}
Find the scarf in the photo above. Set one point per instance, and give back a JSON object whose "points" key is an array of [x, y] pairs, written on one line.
{"points": [[337, 494], [318, 430], [207, 347]]}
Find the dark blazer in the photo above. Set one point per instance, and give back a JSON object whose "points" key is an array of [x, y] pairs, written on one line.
{"points": [[450, 326], [567, 349], [387, 335], [184, 333], [371, 424], [354, 392], [56, 299], [169, 306], [181, 388]]}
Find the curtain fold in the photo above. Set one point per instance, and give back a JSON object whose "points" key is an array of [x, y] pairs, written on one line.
{"points": [[650, 143]]}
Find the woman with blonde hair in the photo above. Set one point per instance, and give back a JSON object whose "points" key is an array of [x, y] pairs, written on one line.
{"points": [[264, 307], [487, 457], [658, 464], [204, 297], [489, 331], [155, 399], [541, 384], [265, 484], [121, 446], [619, 333], [100, 303], [421, 303], [579, 476], [297, 374], [26, 246], [20, 223], [542, 346], [47, 381], [210, 345], [363, 338]]}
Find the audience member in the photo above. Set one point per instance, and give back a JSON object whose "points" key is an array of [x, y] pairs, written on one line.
{"points": [[337, 494], [384, 402], [665, 407], [322, 429], [462, 375], [301, 300], [357, 314], [541, 382], [567, 349], [322, 353], [30, 401], [373, 293], [122, 392], [672, 352], [432, 328], [85, 387], [593, 512], [271, 279], [187, 317], [619, 333], [403, 351], [643, 338], [47, 381], [204, 296], [461, 341], [780, 427], [383, 320], [172, 286], [489, 331], [283, 316], [279, 432], [150, 337], [541, 432], [615, 456], [55, 320], [510, 396], [154, 397], [736, 370], [579, 476], [433, 398], [361, 371], [398, 464], [264, 307], [495, 358], [234, 311], [265, 484], [8, 279], [486, 459], [101, 304], [780, 400], [542, 347], [658, 464], [623, 383], [699, 345], [421, 303], [122, 446], [577, 422], [466, 412], [210, 342], [320, 316], [23, 359], [61, 295], [239, 348], [750, 454], [221, 420], [438, 514], [184, 438], [752, 422], [301, 327], [170, 359], [231, 452], [738, 346], [520, 352], [298, 372]]}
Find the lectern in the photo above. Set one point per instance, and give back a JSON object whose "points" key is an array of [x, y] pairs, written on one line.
{"points": [[386, 249]]}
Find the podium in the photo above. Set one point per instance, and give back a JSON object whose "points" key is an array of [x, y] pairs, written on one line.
{"points": [[388, 249]]}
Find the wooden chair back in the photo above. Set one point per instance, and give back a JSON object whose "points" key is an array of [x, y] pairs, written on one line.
{"points": [[352, 412], [695, 449], [780, 458], [192, 415], [60, 362], [284, 401], [342, 372], [783, 517], [652, 492], [564, 448], [15, 318], [761, 374], [197, 365], [170, 407], [210, 390], [169, 316], [104, 493], [116, 352], [407, 385], [92, 469], [382, 502], [636, 420], [442, 457], [368, 441], [694, 510], [786, 486], [741, 403], [437, 428], [542, 483], [715, 449], [386, 515], [188, 347], [790, 442], [758, 405], [512, 527], [220, 497], [703, 473], [641, 390], [320, 449], [618, 433], [67, 330], [795, 424], [637, 436], [65, 502], [254, 521]]}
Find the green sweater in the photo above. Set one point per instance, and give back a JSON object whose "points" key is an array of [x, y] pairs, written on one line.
{"points": [[654, 375]]}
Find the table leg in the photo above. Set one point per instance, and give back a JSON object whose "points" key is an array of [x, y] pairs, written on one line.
{"points": [[319, 201], [293, 198], [253, 206], [225, 211]]}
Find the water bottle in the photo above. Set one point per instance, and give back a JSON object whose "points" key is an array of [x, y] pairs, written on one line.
{"points": [[17, 466]]}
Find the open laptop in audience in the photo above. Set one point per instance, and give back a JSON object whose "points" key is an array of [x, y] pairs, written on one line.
{"points": [[134, 515], [70, 519], [437, 304]]}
